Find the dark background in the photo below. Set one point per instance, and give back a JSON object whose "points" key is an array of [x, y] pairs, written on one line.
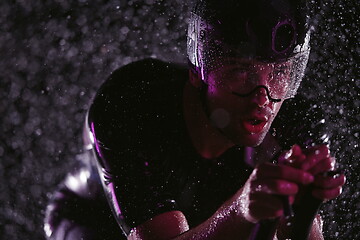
{"points": [[55, 54]]}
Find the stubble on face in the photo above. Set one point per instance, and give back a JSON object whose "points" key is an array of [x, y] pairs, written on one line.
{"points": [[230, 113]]}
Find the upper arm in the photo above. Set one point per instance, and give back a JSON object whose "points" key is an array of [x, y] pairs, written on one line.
{"points": [[132, 141], [161, 227], [77, 210]]}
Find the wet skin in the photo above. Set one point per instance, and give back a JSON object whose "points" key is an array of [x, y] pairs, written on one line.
{"points": [[245, 120]]}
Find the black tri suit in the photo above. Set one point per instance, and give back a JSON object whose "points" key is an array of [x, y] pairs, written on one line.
{"points": [[144, 155]]}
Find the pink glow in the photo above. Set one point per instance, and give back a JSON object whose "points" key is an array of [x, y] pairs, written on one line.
{"points": [[95, 140], [114, 199]]}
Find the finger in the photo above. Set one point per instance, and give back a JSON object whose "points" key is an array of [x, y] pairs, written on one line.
{"points": [[314, 155], [284, 172], [292, 157], [326, 194], [321, 149], [296, 150], [329, 182], [298, 156], [322, 166], [274, 186]]}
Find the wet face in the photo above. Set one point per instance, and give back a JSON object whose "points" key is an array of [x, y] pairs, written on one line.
{"points": [[245, 120]]}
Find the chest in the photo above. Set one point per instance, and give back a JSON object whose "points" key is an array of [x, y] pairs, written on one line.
{"points": [[206, 184]]}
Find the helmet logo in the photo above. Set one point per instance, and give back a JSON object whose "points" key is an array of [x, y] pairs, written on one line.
{"points": [[283, 36], [277, 39]]}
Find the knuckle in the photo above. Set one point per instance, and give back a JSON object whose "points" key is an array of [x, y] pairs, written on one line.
{"points": [[254, 188], [343, 179], [331, 194], [325, 149], [329, 162], [338, 191], [332, 162], [286, 188], [321, 147], [320, 151]]}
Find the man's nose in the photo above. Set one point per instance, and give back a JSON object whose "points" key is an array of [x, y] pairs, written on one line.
{"points": [[260, 97]]}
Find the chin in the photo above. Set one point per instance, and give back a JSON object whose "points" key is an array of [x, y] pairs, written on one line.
{"points": [[238, 137], [253, 140]]}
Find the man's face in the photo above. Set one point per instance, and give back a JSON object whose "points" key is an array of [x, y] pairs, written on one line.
{"points": [[245, 120]]}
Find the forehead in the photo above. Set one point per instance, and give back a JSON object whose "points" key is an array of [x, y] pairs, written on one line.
{"points": [[254, 63]]}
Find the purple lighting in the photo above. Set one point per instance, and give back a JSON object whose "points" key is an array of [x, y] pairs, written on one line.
{"points": [[281, 26], [114, 199], [95, 140]]}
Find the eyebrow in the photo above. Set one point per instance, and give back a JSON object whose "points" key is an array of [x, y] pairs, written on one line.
{"points": [[245, 62], [282, 67]]}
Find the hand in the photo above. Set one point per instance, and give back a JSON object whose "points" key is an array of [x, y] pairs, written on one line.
{"points": [[318, 162], [260, 196]]}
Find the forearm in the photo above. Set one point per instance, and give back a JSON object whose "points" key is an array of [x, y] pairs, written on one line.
{"points": [[226, 223]]}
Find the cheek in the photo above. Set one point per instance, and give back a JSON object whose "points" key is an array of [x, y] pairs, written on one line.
{"points": [[227, 107], [224, 109], [220, 117], [276, 107], [216, 99]]}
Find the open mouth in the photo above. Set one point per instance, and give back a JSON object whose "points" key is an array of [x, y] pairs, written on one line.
{"points": [[254, 125]]}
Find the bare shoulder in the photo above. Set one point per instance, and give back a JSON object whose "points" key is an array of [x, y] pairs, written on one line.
{"points": [[78, 210], [163, 226]]}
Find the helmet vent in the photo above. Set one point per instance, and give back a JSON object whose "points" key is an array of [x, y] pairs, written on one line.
{"points": [[283, 37]]}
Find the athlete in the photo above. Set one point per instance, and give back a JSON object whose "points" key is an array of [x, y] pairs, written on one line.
{"points": [[220, 150]]}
